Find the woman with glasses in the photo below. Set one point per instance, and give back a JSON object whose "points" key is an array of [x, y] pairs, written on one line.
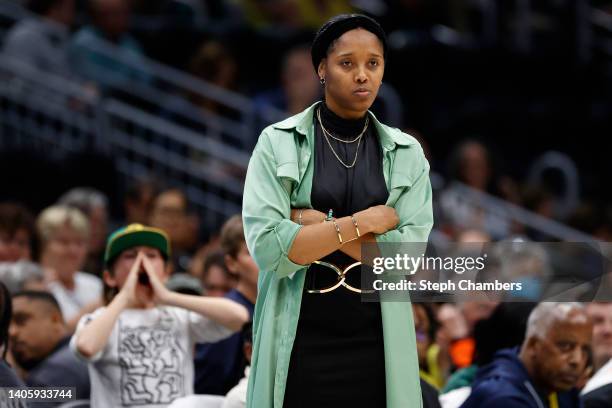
{"points": [[319, 185]]}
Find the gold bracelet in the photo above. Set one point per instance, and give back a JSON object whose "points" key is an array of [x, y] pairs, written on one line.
{"points": [[356, 227], [337, 231], [351, 240]]}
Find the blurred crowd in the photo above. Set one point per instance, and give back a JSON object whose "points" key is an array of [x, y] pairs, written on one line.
{"points": [[471, 353], [220, 40]]}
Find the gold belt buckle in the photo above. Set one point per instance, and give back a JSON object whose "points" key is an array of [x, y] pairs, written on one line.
{"points": [[341, 279]]}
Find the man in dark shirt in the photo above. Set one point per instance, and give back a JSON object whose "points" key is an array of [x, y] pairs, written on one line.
{"points": [[219, 366], [546, 369], [42, 41], [39, 343]]}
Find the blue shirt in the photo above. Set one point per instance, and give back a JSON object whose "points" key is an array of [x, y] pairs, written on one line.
{"points": [[505, 383], [219, 366]]}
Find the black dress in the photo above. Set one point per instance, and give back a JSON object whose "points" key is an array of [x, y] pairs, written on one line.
{"points": [[337, 358]]}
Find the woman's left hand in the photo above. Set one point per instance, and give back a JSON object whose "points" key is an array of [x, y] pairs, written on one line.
{"points": [[160, 292], [309, 216]]}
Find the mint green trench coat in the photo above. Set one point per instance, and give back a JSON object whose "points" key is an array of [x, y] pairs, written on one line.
{"points": [[279, 178]]}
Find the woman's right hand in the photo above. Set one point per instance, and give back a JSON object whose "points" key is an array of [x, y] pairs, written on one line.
{"points": [[378, 219], [128, 292]]}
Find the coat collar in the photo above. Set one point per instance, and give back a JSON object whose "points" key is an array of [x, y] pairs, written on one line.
{"points": [[389, 137]]}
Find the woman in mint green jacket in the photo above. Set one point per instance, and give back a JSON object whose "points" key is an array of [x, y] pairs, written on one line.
{"points": [[319, 184]]}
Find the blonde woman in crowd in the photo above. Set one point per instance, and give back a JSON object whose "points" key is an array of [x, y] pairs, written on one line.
{"points": [[64, 233]]}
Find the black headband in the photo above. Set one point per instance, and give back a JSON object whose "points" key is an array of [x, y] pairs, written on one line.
{"points": [[339, 25]]}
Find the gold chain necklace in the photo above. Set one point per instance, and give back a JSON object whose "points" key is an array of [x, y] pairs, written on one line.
{"points": [[348, 166], [365, 127]]}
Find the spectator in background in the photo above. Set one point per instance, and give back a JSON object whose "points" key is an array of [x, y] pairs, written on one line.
{"points": [[601, 315], [547, 367], [127, 66], [539, 200], [94, 205], [519, 260], [597, 392], [138, 201], [601, 394], [458, 322], [170, 213], [39, 344], [300, 86], [8, 377], [505, 328], [219, 366], [22, 275], [213, 62], [140, 346], [434, 361], [236, 397], [473, 236], [185, 283], [64, 234], [202, 112], [17, 233], [196, 267], [471, 165], [42, 42], [217, 281]]}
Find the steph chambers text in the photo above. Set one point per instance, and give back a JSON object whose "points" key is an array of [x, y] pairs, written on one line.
{"points": [[448, 286]]}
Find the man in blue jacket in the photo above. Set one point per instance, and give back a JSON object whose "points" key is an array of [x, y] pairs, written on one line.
{"points": [[545, 370]]}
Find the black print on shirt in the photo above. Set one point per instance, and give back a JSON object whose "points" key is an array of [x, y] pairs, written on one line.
{"points": [[149, 358]]}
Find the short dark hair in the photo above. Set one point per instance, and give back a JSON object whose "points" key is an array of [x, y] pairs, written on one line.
{"points": [[135, 189], [174, 190], [232, 236], [335, 27], [40, 295], [434, 325], [15, 217], [214, 258]]}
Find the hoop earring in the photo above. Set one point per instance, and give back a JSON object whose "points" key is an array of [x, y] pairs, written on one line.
{"points": [[322, 81]]}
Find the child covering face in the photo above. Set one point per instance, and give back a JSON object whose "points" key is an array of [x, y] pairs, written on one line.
{"points": [[140, 346]]}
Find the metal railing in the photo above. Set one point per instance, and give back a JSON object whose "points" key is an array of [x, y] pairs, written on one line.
{"points": [[39, 111], [508, 213], [142, 144], [42, 111]]}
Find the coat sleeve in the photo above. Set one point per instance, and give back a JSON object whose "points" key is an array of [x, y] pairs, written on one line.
{"points": [[414, 206], [266, 210]]}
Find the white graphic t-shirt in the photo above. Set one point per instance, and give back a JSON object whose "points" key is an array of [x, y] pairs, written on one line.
{"points": [[148, 360]]}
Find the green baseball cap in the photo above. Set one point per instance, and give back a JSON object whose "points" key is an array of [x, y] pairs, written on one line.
{"points": [[135, 235]]}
